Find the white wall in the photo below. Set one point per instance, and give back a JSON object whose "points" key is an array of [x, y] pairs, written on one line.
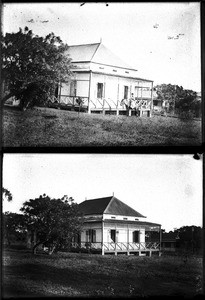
{"points": [[113, 70], [82, 88], [123, 233], [119, 217]]}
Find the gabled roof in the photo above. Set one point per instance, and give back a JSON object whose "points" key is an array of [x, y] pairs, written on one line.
{"points": [[108, 205], [96, 53], [82, 53]]}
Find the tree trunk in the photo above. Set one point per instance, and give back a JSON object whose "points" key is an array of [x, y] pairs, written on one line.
{"points": [[34, 249]]}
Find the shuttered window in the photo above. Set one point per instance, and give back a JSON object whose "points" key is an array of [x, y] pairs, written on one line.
{"points": [[91, 236], [100, 90], [135, 236], [125, 92]]}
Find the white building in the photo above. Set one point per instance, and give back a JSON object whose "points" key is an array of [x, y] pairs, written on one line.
{"points": [[102, 81], [111, 226]]}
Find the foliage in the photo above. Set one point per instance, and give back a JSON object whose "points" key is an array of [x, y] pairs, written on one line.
{"points": [[54, 221], [189, 237], [185, 101], [32, 66], [6, 194], [13, 227]]}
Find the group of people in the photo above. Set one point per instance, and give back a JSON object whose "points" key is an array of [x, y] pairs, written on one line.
{"points": [[132, 104]]}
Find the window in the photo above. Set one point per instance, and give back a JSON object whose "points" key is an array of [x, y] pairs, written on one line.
{"points": [[124, 218], [100, 90], [112, 217], [91, 236], [73, 88], [113, 235], [125, 92], [135, 236], [56, 91]]}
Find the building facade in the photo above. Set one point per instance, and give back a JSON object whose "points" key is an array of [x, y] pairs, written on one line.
{"points": [[111, 226], [104, 82]]}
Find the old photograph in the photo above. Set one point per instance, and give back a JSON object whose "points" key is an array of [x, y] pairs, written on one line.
{"points": [[101, 74], [81, 224]]}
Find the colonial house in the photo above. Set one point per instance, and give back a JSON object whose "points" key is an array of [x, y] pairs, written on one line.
{"points": [[111, 226], [103, 82]]}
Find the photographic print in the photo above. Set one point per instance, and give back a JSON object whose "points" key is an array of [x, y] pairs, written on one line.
{"points": [[101, 74], [83, 224]]}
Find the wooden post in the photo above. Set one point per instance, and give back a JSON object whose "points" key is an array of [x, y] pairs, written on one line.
{"points": [[103, 106], [104, 96], [103, 250], [128, 252], [138, 91], [118, 87], [89, 111], [151, 104]]}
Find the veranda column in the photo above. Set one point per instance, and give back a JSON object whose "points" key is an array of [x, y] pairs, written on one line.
{"points": [[128, 252], [151, 105], [118, 87], [89, 92], [103, 251]]}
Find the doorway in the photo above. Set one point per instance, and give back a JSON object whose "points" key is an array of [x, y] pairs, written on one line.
{"points": [[113, 235]]}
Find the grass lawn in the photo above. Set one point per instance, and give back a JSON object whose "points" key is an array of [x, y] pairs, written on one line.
{"points": [[59, 128], [77, 274]]}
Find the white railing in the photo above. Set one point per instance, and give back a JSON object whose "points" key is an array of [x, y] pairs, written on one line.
{"points": [[118, 246]]}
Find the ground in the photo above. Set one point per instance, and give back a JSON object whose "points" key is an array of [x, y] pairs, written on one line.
{"points": [[77, 274], [47, 127]]}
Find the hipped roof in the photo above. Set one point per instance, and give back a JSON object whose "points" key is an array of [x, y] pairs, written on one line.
{"points": [[107, 205], [96, 53]]}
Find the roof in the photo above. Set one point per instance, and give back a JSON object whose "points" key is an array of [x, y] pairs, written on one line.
{"points": [[96, 53], [82, 53], [107, 205]]}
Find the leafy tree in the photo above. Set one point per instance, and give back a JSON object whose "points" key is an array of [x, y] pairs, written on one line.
{"points": [[6, 194], [32, 66], [179, 99], [53, 221], [189, 238], [13, 227]]}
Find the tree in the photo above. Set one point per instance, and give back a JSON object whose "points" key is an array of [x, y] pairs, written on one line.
{"points": [[6, 194], [13, 227], [33, 66], [53, 221], [179, 99], [189, 238]]}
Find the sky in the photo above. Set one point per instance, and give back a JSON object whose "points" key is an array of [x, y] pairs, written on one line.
{"points": [[136, 32], [167, 189]]}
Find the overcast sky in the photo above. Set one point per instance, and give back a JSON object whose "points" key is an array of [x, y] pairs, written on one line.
{"points": [[167, 189], [128, 30]]}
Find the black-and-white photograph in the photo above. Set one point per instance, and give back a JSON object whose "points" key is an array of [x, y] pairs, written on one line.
{"points": [[102, 225], [101, 74]]}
